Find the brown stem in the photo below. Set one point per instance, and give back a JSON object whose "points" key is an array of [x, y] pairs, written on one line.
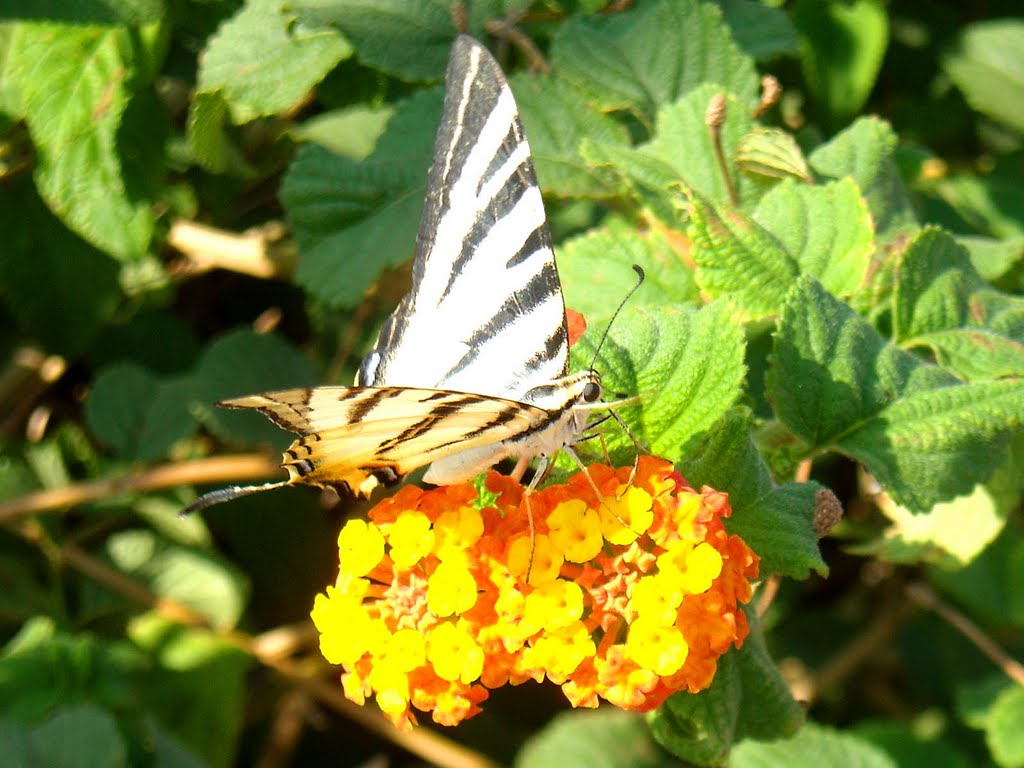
{"points": [[258, 252], [769, 589], [215, 469], [267, 649], [925, 597], [714, 118]]}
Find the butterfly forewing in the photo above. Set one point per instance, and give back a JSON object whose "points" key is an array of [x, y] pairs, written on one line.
{"points": [[485, 313], [351, 434]]}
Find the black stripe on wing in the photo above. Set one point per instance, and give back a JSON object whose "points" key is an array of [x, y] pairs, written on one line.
{"points": [[496, 187]]}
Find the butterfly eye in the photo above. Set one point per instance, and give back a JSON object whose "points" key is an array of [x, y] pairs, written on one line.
{"points": [[592, 392]]}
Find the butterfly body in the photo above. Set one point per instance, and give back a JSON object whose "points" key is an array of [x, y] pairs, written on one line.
{"points": [[472, 367]]}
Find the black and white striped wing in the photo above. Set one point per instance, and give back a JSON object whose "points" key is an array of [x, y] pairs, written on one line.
{"points": [[485, 312]]}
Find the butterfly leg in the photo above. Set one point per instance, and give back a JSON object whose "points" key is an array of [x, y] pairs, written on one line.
{"points": [[542, 470], [601, 497]]}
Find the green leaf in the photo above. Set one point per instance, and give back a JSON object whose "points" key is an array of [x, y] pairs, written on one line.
{"points": [[748, 699], [556, 118], [993, 258], [990, 202], [243, 363], [409, 39], [263, 60], [78, 736], [909, 747], [351, 132], [198, 688], [75, 85], [352, 220], [596, 271], [836, 383], [48, 275], [607, 738], [951, 534], [777, 522], [644, 177], [841, 50], [195, 578], [208, 140], [772, 152], [865, 151], [1002, 731], [653, 54], [15, 745], [739, 260], [826, 228], [940, 302], [683, 142], [686, 366], [137, 414], [761, 31], [987, 64], [814, 745]]}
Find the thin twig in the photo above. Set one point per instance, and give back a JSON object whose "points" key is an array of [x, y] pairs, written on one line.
{"points": [[766, 594], [259, 252], [714, 118], [215, 469], [425, 744], [506, 29], [925, 597]]}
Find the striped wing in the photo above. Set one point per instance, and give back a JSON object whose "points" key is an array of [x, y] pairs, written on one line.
{"points": [[485, 312], [361, 436]]}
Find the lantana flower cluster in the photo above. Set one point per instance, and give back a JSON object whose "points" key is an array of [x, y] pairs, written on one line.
{"points": [[626, 594]]}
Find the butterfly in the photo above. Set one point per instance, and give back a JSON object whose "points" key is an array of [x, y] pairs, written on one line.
{"points": [[472, 367]]}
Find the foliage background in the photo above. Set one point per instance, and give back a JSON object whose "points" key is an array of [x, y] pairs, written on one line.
{"points": [[207, 199]]}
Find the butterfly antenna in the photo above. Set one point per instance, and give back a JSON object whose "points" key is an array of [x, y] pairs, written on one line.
{"points": [[640, 281], [227, 494]]}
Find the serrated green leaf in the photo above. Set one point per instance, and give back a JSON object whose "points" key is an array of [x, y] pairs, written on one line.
{"points": [[263, 59], [75, 85], [48, 275], [409, 39], [841, 50], [761, 31], [352, 220], [835, 383], [739, 260], [596, 271], [826, 228], [192, 577], [748, 699], [682, 140], [609, 738], [653, 54], [685, 365], [556, 118], [866, 151], [987, 64], [940, 302], [813, 745], [989, 202], [78, 736], [135, 413], [777, 522], [351, 132], [198, 687], [641, 176], [950, 534], [772, 152], [244, 363], [207, 137], [993, 258]]}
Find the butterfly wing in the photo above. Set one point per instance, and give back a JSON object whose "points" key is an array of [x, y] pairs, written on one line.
{"points": [[360, 436], [485, 313]]}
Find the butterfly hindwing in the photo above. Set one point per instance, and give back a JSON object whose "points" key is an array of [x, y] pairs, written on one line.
{"points": [[354, 436], [485, 313]]}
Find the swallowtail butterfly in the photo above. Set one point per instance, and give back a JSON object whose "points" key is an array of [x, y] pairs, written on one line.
{"points": [[472, 367]]}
